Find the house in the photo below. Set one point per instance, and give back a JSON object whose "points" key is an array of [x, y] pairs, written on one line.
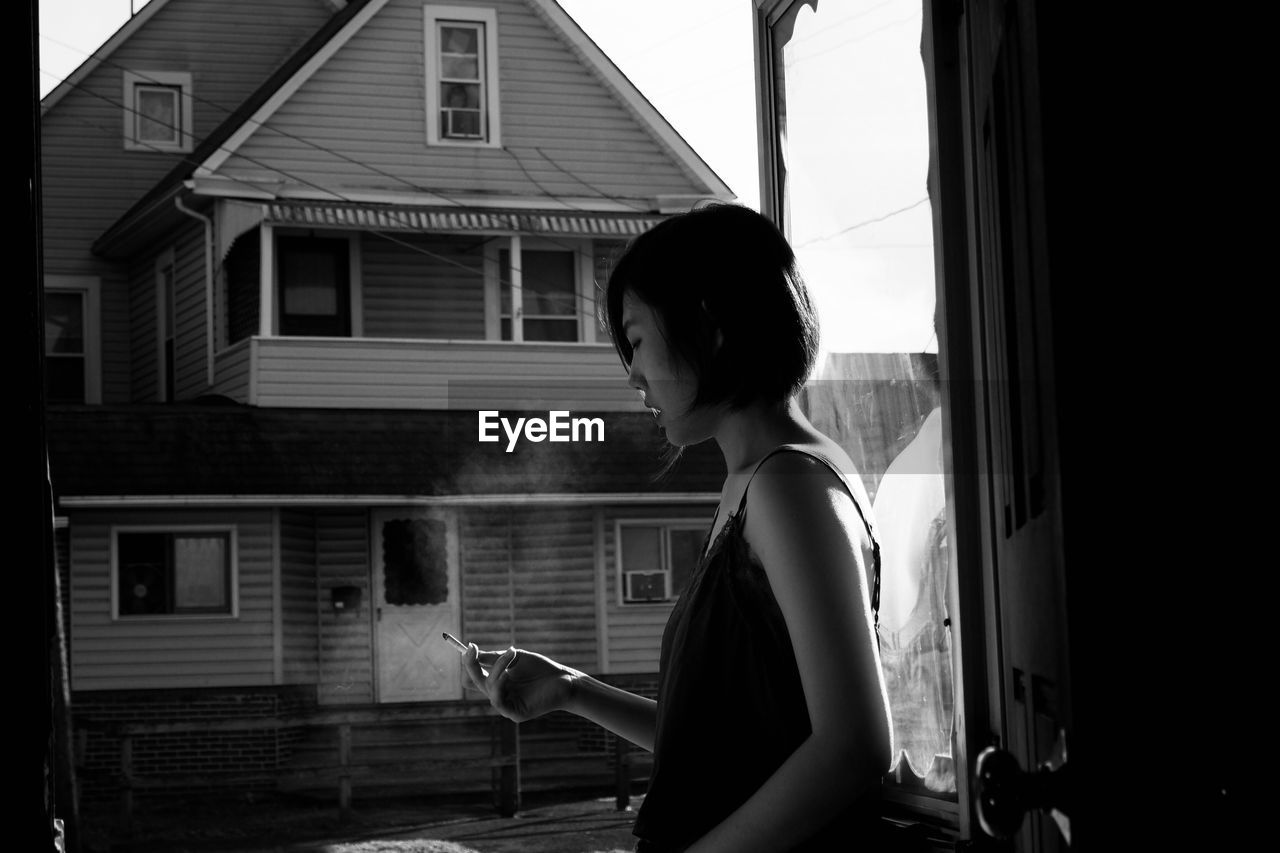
{"points": [[1078, 542], [293, 252]]}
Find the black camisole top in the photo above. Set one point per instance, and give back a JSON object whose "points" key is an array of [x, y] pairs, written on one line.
{"points": [[731, 706]]}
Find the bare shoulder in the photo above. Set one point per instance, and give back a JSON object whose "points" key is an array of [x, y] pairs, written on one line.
{"points": [[796, 494]]}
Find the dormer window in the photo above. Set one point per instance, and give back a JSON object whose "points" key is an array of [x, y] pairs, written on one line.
{"points": [[462, 76], [157, 111]]}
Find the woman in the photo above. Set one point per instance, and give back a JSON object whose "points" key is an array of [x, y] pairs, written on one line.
{"points": [[771, 729]]}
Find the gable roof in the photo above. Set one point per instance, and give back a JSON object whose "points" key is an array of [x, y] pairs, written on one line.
{"points": [[136, 21], [102, 54], [258, 108], [648, 117], [238, 453]]}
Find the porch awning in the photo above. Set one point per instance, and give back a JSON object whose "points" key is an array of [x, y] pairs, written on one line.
{"points": [[434, 219]]}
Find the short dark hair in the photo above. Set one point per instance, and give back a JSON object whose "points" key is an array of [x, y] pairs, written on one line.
{"points": [[722, 267]]}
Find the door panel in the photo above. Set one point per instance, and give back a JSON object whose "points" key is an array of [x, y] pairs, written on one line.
{"points": [[1030, 693], [416, 589]]}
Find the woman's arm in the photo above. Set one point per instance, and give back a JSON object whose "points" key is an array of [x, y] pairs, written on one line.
{"points": [[810, 539], [522, 685]]}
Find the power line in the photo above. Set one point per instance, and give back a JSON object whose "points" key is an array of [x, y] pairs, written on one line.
{"points": [[862, 224], [340, 197]]}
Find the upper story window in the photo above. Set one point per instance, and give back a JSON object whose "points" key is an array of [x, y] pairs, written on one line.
{"points": [[539, 290], [157, 111], [314, 279], [548, 302], [656, 558], [71, 340], [462, 76]]}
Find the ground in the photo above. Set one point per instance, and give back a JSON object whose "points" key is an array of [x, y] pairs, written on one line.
{"points": [[545, 824]]}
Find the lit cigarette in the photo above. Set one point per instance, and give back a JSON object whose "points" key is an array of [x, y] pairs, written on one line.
{"points": [[454, 641]]}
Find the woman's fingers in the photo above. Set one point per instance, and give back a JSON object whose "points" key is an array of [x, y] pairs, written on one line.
{"points": [[471, 663], [501, 665]]}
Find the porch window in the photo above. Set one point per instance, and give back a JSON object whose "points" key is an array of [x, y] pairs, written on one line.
{"points": [[314, 275], [548, 302], [174, 572], [655, 559], [857, 212], [462, 75], [157, 111]]}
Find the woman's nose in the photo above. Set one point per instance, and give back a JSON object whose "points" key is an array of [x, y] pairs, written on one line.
{"points": [[634, 377]]}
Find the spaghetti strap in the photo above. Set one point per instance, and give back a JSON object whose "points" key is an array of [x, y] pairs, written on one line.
{"points": [[866, 522]]}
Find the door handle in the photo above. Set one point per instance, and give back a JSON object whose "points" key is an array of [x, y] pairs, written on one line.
{"points": [[1005, 793]]}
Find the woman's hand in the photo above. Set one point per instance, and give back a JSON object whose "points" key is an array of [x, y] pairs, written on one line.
{"points": [[521, 685]]}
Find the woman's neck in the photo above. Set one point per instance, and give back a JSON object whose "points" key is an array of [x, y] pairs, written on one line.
{"points": [[745, 435]]}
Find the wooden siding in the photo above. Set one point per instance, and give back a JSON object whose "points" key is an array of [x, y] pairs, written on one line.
{"points": [[634, 631], [88, 179], [528, 578], [299, 596], [130, 654], [417, 287], [345, 639], [365, 374], [231, 371], [367, 105], [190, 322]]}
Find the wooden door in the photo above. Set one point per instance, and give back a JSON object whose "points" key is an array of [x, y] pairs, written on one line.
{"points": [[1015, 401], [416, 597]]}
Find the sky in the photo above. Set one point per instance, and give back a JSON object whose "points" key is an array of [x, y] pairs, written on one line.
{"points": [[860, 221]]}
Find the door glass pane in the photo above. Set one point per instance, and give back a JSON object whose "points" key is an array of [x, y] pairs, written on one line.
{"points": [[414, 562], [853, 163]]}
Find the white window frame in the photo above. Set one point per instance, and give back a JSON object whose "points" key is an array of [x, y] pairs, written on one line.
{"points": [[584, 276], [233, 558], [165, 311], [665, 526], [181, 80], [90, 290], [491, 110]]}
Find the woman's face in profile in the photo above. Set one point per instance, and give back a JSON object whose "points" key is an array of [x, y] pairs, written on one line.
{"points": [[665, 380]]}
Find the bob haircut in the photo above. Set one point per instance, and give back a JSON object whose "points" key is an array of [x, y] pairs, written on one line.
{"points": [[721, 267]]}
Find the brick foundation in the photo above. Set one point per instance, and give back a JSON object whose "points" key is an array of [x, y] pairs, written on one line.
{"points": [[254, 752]]}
